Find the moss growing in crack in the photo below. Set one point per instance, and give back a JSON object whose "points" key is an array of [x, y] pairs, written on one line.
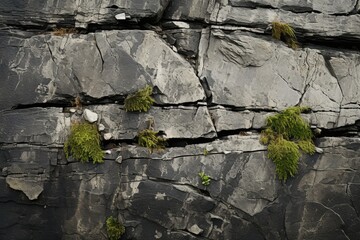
{"points": [[83, 143], [205, 179], [284, 32], [141, 101], [149, 138], [114, 229], [286, 134]]}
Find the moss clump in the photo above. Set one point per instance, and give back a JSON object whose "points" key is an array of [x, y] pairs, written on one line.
{"points": [[284, 32], [205, 179], [286, 134], [150, 139], [141, 101], [84, 143], [114, 229]]}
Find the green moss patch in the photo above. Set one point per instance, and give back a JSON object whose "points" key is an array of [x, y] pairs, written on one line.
{"points": [[83, 143], [114, 229], [150, 139], [286, 134], [284, 32], [141, 101]]}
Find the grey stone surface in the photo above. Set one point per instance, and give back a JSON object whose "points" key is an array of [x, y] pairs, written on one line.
{"points": [[34, 126], [326, 6], [152, 194], [189, 10], [246, 71], [115, 60], [216, 77], [186, 122], [187, 40], [312, 24], [81, 13]]}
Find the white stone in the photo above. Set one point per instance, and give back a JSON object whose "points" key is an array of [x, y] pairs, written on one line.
{"points": [[319, 150], [90, 116], [101, 127], [107, 136], [72, 110], [195, 229], [120, 16], [108, 152], [119, 159]]}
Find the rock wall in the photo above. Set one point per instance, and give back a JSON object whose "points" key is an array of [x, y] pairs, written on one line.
{"points": [[217, 74]]}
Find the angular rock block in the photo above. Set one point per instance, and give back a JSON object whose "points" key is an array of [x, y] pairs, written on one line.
{"points": [[46, 68], [246, 71]]}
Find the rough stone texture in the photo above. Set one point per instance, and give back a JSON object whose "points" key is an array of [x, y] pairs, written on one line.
{"points": [[115, 60], [185, 122], [152, 195], [217, 74], [187, 40], [253, 72], [81, 13], [34, 126], [312, 24], [326, 6]]}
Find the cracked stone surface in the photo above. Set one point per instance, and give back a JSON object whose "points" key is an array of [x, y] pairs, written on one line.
{"points": [[20, 12], [217, 74], [244, 71], [148, 193], [117, 63]]}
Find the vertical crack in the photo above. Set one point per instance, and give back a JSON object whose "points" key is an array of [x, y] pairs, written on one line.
{"points": [[101, 56]]}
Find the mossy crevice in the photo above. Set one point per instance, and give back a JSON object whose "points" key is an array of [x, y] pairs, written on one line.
{"points": [[149, 138], [114, 228], [83, 143], [286, 134], [141, 101], [284, 32]]}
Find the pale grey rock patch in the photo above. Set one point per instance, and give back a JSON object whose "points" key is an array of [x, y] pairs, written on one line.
{"points": [[31, 187], [231, 120]]}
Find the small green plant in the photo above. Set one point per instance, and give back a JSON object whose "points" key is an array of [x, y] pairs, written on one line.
{"points": [[206, 152], [284, 32], [286, 134], [149, 138], [141, 101], [84, 143], [114, 229], [205, 179]]}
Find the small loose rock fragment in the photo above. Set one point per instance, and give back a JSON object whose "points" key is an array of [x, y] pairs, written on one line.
{"points": [[107, 136], [120, 16], [319, 150], [101, 127], [195, 229], [90, 116]]}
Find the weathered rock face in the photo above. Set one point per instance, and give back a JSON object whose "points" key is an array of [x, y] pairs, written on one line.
{"points": [[217, 74]]}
